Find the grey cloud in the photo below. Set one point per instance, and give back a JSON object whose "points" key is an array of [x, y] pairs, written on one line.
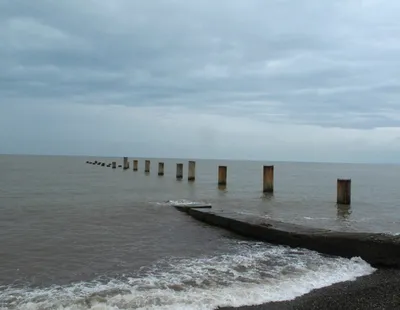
{"points": [[312, 62]]}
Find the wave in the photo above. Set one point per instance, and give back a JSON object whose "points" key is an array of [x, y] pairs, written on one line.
{"points": [[254, 273], [180, 202]]}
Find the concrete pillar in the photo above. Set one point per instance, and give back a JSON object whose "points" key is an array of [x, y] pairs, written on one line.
{"points": [[268, 179], [222, 175], [160, 169], [114, 164], [344, 191], [135, 165], [126, 163], [147, 166], [192, 171], [179, 171]]}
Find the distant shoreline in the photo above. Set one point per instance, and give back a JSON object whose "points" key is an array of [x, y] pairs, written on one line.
{"points": [[380, 290]]}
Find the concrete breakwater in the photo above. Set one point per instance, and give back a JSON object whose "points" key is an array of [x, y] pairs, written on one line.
{"points": [[379, 250]]}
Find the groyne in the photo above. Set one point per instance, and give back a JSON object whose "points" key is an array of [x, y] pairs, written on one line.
{"points": [[343, 185], [379, 250]]}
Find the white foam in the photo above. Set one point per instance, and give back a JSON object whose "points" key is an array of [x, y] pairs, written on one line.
{"points": [[255, 274], [317, 218], [180, 202]]}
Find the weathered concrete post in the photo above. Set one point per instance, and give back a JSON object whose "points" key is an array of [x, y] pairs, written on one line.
{"points": [[222, 174], [179, 171], [126, 163], [268, 179], [192, 171], [147, 166], [344, 191], [160, 169], [135, 165], [114, 164]]}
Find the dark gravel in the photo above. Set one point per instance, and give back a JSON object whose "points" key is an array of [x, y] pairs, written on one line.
{"points": [[381, 290]]}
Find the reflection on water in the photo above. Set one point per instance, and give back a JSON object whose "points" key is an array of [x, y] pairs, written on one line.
{"points": [[222, 188], [267, 196], [343, 212]]}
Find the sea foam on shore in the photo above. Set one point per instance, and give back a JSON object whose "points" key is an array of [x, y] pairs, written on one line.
{"points": [[255, 273]]}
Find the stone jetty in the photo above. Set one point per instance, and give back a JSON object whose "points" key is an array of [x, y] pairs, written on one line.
{"points": [[380, 250]]}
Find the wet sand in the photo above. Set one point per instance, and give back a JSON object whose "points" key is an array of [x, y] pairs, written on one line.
{"points": [[381, 290]]}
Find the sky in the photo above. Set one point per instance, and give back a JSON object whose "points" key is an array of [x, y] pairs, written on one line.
{"points": [[276, 80]]}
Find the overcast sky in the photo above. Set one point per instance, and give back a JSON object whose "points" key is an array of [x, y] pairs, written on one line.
{"points": [[305, 80]]}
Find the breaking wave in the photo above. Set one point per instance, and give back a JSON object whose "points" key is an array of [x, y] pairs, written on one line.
{"points": [[254, 273]]}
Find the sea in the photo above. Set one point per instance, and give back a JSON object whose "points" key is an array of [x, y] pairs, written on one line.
{"points": [[79, 236]]}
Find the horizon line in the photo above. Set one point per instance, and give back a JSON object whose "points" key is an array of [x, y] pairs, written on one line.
{"points": [[203, 158]]}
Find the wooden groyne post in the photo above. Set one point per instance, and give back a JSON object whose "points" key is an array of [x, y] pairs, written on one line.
{"points": [[192, 171], [126, 163], [222, 175], [268, 179], [179, 171], [114, 164], [343, 191], [147, 166], [135, 165], [160, 168]]}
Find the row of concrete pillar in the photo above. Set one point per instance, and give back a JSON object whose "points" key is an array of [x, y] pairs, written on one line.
{"points": [[343, 185], [98, 163], [179, 169]]}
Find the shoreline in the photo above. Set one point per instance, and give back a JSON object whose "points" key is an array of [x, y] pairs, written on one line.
{"points": [[380, 290]]}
